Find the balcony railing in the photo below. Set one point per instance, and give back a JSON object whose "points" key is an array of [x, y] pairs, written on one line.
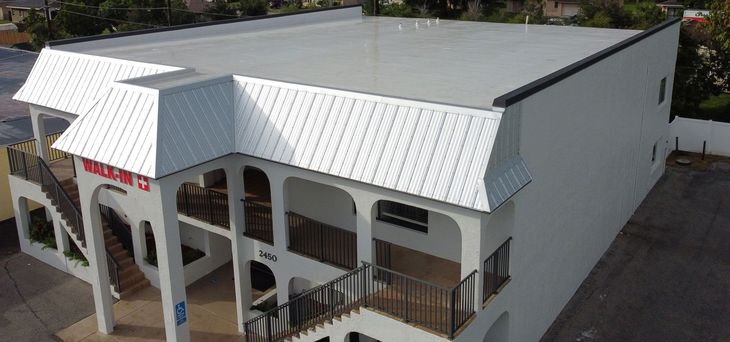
{"points": [[496, 270], [258, 221], [321, 241], [439, 309], [204, 204], [29, 146]]}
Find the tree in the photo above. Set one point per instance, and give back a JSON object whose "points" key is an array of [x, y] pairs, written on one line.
{"points": [[254, 7], [218, 7], [691, 84], [647, 15], [78, 25], [36, 25], [717, 30], [604, 14]]}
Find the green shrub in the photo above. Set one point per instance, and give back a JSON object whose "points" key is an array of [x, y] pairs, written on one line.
{"points": [[41, 231], [76, 255]]}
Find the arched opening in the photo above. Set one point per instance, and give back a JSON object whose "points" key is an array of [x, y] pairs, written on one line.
{"points": [[359, 337], [39, 226], [416, 242], [499, 331], [321, 222], [124, 274], [205, 198], [263, 287], [299, 285], [257, 205]]}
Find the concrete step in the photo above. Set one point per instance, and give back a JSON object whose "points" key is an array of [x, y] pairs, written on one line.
{"points": [[136, 287]]}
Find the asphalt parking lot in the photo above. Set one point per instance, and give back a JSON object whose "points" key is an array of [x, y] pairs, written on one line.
{"points": [[666, 277], [36, 300]]}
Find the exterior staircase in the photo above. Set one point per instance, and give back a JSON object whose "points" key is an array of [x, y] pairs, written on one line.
{"points": [[314, 332], [125, 275], [439, 310], [131, 278]]}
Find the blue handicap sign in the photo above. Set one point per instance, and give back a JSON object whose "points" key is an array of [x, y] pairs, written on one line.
{"points": [[181, 315]]}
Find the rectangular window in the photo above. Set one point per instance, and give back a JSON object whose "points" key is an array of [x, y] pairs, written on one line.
{"points": [[662, 90], [555, 4], [653, 153], [403, 215]]}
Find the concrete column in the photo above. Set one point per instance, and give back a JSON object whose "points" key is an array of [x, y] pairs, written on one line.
{"points": [[278, 211], [138, 241], [39, 133], [96, 255], [62, 239], [22, 219], [471, 251], [242, 278], [170, 266], [364, 206], [282, 287]]}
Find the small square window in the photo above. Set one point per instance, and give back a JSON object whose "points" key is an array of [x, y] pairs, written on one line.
{"points": [[662, 90]]}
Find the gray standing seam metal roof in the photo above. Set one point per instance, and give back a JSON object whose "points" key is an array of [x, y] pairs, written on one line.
{"points": [[453, 62]]}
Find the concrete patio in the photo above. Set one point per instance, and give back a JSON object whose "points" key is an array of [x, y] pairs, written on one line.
{"points": [[211, 313]]}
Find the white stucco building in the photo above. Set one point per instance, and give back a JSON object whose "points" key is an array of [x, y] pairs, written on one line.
{"points": [[394, 179]]}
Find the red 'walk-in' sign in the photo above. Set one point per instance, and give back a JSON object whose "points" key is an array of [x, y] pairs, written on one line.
{"points": [[116, 174]]}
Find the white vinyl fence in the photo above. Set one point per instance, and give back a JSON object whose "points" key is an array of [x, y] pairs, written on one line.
{"points": [[690, 134]]}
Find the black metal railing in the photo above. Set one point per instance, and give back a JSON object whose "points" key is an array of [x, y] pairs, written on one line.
{"points": [[114, 269], [119, 228], [321, 241], [24, 164], [496, 270], [34, 169], [418, 302], [312, 307], [204, 204], [30, 146], [258, 221], [463, 302]]}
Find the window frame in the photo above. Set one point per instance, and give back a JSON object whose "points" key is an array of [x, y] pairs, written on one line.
{"points": [[400, 220]]}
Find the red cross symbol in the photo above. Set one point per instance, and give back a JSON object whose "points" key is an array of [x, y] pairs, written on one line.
{"points": [[143, 183]]}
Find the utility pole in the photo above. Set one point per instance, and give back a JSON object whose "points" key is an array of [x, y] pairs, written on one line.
{"points": [[169, 13], [47, 12]]}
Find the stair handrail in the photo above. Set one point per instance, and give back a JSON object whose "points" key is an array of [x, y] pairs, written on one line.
{"points": [[58, 192], [79, 228], [319, 304], [112, 263], [118, 228], [114, 268]]}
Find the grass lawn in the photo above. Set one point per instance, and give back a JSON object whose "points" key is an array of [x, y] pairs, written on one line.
{"points": [[4, 21], [717, 107]]}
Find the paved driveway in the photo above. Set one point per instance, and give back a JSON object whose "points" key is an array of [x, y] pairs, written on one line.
{"points": [[36, 300], [667, 277]]}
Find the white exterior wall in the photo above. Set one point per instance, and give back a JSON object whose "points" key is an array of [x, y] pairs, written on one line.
{"points": [[443, 239], [692, 133], [588, 143]]}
